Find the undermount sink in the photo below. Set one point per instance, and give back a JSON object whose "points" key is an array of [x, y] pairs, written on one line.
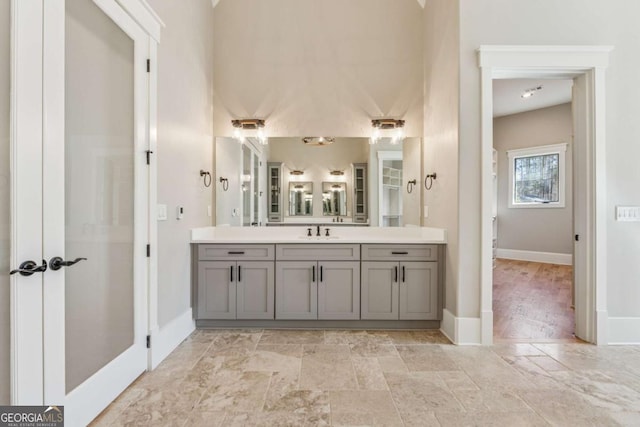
{"points": [[318, 237]]}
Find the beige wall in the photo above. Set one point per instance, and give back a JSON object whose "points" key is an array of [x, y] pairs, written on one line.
{"points": [[228, 154], [318, 67], [569, 22], [5, 221], [441, 96], [534, 229], [185, 141], [411, 169], [317, 162]]}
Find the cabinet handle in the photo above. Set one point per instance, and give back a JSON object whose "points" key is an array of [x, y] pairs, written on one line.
{"points": [[236, 252], [239, 273], [399, 253], [231, 272], [403, 274], [396, 271], [321, 273], [313, 273]]}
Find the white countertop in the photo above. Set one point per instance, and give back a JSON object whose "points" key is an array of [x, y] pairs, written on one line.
{"points": [[342, 234]]}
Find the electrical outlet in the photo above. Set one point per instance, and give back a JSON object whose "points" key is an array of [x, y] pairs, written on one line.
{"points": [[628, 213], [426, 211], [179, 212], [209, 212]]}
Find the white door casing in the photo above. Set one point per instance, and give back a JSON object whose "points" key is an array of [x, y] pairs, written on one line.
{"points": [[555, 62]]}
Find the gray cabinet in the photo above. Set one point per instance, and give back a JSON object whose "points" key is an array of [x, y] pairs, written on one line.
{"points": [[339, 290], [317, 282], [274, 194], [380, 290], [400, 282], [394, 290], [296, 290], [216, 290], [234, 281], [360, 197]]}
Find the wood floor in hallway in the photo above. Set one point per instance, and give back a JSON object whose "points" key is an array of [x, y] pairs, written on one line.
{"points": [[532, 301]]}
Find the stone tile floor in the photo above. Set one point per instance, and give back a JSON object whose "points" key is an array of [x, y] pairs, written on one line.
{"points": [[380, 378]]}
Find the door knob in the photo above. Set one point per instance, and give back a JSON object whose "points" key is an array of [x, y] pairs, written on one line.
{"points": [[57, 262], [27, 268]]}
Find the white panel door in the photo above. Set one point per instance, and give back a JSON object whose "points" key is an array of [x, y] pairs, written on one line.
{"points": [[95, 192]]}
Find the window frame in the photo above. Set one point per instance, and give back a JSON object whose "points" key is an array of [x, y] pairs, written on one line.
{"points": [[560, 150]]}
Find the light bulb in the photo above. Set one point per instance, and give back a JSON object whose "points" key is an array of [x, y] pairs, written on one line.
{"points": [[237, 134]]}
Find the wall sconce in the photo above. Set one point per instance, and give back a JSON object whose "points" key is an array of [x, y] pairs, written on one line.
{"points": [[336, 173], [240, 126], [391, 128], [296, 172]]}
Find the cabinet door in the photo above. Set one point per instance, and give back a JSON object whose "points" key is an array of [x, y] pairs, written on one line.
{"points": [[274, 195], [380, 290], [255, 290], [216, 290], [418, 290], [339, 290], [296, 290]]}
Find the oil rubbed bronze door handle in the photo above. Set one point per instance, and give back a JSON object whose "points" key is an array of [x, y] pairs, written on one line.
{"points": [[396, 271], [57, 262], [313, 273], [27, 268]]}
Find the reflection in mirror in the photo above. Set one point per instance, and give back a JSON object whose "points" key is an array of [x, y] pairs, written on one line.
{"points": [[334, 198], [300, 198]]}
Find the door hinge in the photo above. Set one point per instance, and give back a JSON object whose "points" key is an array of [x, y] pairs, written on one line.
{"points": [[577, 237], [148, 341], [148, 251], [148, 65], [149, 153]]}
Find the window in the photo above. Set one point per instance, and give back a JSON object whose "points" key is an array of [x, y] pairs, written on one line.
{"points": [[537, 177]]}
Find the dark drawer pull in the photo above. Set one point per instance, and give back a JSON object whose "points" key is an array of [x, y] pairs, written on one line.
{"points": [[231, 273], [236, 252], [396, 270], [399, 253], [313, 273]]}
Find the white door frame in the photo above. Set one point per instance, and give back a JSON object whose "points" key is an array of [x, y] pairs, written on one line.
{"points": [[551, 62]]}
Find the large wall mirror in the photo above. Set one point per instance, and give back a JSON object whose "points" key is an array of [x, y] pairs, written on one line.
{"points": [[242, 199]]}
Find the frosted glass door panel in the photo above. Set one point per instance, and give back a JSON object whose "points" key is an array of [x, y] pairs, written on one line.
{"points": [[5, 224], [99, 187]]}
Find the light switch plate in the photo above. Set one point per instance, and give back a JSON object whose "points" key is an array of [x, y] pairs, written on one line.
{"points": [[426, 211], [628, 213], [179, 212], [161, 212]]}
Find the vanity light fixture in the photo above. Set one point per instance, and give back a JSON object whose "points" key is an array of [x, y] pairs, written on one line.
{"points": [[242, 125], [296, 172], [530, 92], [336, 173], [318, 140], [393, 128]]}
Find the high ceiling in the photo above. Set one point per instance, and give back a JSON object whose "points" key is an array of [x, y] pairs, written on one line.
{"points": [[507, 95]]}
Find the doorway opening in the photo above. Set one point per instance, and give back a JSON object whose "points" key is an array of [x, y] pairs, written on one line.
{"points": [[533, 210], [585, 65]]}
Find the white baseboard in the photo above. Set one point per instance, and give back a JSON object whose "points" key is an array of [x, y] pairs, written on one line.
{"points": [[164, 340], [461, 330], [532, 256], [624, 330]]}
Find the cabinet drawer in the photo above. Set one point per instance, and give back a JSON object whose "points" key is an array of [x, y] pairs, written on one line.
{"points": [[400, 252], [235, 252], [320, 251]]}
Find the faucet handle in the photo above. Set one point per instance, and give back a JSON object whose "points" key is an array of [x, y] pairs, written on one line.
{"points": [[326, 232], [309, 232]]}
